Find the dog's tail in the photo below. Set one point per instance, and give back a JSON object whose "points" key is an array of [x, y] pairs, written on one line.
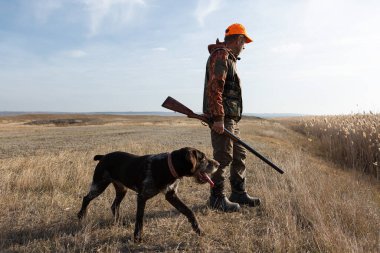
{"points": [[98, 157]]}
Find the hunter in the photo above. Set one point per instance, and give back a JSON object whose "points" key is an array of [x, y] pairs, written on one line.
{"points": [[222, 102]]}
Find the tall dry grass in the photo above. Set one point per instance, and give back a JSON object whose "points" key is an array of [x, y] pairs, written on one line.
{"points": [[310, 208], [352, 141]]}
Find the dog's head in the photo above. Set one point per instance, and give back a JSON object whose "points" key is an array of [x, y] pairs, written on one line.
{"points": [[196, 164]]}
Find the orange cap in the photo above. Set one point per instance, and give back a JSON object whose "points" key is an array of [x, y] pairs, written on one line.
{"points": [[238, 29]]}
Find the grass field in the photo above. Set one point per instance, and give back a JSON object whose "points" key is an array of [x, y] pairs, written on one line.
{"points": [[46, 168]]}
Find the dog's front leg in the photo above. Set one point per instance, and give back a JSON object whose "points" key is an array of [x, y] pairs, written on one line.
{"points": [[141, 201], [173, 199]]}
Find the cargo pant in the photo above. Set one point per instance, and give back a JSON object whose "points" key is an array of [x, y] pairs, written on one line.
{"points": [[229, 154]]}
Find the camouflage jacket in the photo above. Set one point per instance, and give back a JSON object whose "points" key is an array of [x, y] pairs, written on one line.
{"points": [[222, 92]]}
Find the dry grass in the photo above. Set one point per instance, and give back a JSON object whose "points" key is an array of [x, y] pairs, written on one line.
{"points": [[313, 207], [352, 141]]}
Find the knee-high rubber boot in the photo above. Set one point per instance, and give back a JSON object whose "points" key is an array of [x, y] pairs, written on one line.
{"points": [[219, 201], [240, 195]]}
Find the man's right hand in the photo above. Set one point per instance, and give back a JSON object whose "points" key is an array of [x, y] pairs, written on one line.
{"points": [[218, 127]]}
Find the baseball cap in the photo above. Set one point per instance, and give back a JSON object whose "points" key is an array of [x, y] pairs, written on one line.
{"points": [[238, 29]]}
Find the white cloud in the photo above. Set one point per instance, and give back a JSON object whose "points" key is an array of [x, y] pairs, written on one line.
{"points": [[74, 53], [120, 12], [205, 8], [116, 13], [161, 49]]}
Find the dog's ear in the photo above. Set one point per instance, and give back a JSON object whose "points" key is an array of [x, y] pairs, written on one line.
{"points": [[192, 157]]}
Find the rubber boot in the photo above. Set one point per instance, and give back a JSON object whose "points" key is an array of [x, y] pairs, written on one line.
{"points": [[239, 195], [219, 201]]}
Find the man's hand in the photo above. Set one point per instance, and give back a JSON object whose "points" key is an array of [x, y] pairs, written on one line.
{"points": [[218, 127]]}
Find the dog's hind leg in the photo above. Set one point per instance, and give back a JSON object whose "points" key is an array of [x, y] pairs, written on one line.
{"points": [[120, 194], [95, 190], [173, 199]]}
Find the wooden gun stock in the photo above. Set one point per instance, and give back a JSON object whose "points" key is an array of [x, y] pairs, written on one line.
{"points": [[172, 104]]}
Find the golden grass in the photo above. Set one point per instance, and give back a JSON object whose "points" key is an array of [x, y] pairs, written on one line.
{"points": [[46, 170], [352, 141]]}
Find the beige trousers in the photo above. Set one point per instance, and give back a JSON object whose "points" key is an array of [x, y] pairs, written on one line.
{"points": [[229, 154]]}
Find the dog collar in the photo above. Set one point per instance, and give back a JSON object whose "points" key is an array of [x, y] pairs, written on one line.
{"points": [[171, 166]]}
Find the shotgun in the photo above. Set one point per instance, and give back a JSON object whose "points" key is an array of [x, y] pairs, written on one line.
{"points": [[172, 104]]}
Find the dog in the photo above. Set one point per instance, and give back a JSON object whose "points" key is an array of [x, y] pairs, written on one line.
{"points": [[149, 175]]}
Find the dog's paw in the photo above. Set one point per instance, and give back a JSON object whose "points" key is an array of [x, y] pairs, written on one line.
{"points": [[80, 215], [199, 232], [137, 239]]}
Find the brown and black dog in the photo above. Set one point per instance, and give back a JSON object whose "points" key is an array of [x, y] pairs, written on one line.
{"points": [[149, 175]]}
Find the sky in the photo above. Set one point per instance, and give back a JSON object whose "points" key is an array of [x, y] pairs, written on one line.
{"points": [[308, 56]]}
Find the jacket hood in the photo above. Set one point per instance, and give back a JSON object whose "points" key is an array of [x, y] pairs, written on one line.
{"points": [[220, 45], [217, 45]]}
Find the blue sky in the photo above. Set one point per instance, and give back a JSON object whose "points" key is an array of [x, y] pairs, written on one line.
{"points": [[308, 56]]}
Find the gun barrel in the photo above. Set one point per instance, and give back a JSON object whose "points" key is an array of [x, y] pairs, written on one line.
{"points": [[264, 159]]}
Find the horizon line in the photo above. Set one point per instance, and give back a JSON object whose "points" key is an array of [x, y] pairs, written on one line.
{"points": [[154, 113]]}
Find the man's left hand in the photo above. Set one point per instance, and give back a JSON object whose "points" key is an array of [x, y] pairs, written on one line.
{"points": [[218, 127]]}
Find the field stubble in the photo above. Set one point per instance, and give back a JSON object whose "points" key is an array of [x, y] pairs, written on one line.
{"points": [[46, 170]]}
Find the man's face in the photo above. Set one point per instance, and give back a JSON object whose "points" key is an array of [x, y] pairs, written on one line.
{"points": [[238, 45]]}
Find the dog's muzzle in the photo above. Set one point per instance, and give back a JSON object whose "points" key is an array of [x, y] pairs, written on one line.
{"points": [[203, 176]]}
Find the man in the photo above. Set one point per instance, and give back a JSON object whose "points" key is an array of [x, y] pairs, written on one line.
{"points": [[222, 102]]}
